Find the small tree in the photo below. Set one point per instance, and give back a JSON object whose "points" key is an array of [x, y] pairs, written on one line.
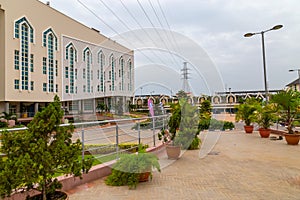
{"points": [[288, 106], [188, 129], [101, 107], [204, 115], [37, 154], [205, 110]]}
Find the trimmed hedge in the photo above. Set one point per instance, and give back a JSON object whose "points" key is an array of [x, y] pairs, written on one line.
{"points": [[109, 148]]}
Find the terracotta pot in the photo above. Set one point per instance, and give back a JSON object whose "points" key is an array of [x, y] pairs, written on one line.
{"points": [[248, 129], [264, 133], [11, 123], [292, 139], [144, 176], [173, 152]]}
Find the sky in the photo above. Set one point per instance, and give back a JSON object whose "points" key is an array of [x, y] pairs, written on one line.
{"points": [[206, 34]]}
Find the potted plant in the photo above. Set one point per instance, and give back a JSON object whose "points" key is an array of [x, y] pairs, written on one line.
{"points": [[10, 118], [265, 116], [187, 135], [245, 112], [34, 157], [101, 107], [133, 168], [168, 136], [183, 129], [288, 106]]}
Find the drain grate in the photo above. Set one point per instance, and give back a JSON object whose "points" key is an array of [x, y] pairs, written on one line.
{"points": [[214, 153]]}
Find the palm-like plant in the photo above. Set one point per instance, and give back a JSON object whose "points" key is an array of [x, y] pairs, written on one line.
{"points": [[265, 115], [8, 116], [288, 106], [246, 111]]}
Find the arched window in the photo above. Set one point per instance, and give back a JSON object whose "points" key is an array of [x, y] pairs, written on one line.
{"points": [[130, 74], [71, 56], [50, 42], [87, 57], [121, 63], [23, 59], [112, 64], [101, 61]]}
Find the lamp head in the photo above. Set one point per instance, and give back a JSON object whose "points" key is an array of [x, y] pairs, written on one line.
{"points": [[249, 34], [277, 27]]}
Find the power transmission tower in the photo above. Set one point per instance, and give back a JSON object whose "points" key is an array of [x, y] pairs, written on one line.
{"points": [[185, 76]]}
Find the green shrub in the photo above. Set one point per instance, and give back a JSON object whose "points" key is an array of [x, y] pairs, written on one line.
{"points": [[3, 124], [203, 124], [213, 124], [228, 125], [109, 148], [129, 167], [296, 123], [195, 144]]}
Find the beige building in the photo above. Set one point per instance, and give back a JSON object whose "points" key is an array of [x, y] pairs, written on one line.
{"points": [[44, 52], [295, 85]]}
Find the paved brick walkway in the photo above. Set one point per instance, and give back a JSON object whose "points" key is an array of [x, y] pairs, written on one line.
{"points": [[242, 166]]}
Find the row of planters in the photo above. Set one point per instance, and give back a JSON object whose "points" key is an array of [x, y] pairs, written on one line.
{"points": [[283, 107]]}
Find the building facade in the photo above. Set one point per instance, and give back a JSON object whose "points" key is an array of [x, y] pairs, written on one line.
{"points": [[221, 102], [44, 52], [294, 85]]}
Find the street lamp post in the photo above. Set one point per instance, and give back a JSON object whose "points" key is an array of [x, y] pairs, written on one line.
{"points": [[298, 70], [229, 99], [263, 52]]}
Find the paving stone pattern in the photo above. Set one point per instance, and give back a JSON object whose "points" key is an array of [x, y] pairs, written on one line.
{"points": [[244, 166]]}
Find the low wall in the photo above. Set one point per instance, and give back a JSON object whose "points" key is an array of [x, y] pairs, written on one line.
{"points": [[277, 132], [96, 172]]}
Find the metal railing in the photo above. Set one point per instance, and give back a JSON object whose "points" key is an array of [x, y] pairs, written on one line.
{"points": [[106, 140]]}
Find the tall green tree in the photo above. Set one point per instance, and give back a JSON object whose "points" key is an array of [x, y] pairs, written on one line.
{"points": [[37, 154]]}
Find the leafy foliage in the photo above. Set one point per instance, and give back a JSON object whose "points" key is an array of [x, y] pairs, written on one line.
{"points": [[174, 121], [205, 110], [102, 107], [288, 106], [3, 124], [214, 124], [128, 168], [195, 144], [188, 128], [8, 116], [35, 155], [246, 111], [265, 115]]}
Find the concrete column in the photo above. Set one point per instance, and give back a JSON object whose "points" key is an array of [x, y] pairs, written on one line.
{"points": [[79, 106], [6, 107], [94, 106], [36, 107]]}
